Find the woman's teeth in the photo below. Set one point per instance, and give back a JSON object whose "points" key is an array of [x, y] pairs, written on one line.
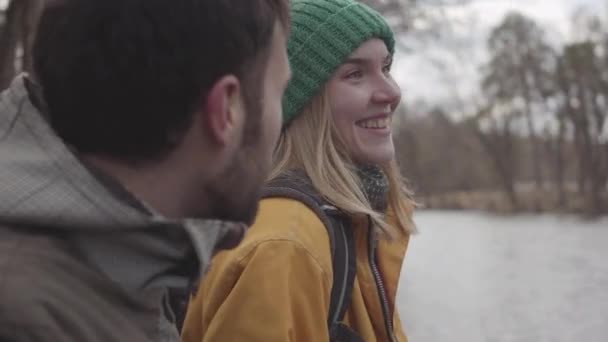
{"points": [[375, 123]]}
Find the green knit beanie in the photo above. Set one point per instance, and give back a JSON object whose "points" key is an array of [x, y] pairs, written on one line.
{"points": [[323, 34]]}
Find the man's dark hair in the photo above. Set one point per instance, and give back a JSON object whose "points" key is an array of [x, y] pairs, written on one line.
{"points": [[122, 78]]}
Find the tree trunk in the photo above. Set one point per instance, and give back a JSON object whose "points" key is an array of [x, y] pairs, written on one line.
{"points": [[560, 165], [536, 156], [31, 16], [499, 149], [596, 202], [9, 42], [555, 149], [587, 151], [22, 18], [598, 163], [407, 143]]}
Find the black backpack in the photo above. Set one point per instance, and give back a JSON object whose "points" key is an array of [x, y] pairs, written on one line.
{"points": [[297, 186]]}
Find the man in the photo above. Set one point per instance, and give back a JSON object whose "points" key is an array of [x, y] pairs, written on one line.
{"points": [[139, 150]]}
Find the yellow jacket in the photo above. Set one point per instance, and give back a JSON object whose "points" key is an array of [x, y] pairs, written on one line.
{"points": [[276, 285]]}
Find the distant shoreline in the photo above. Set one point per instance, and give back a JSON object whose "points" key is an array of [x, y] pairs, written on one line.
{"points": [[529, 201]]}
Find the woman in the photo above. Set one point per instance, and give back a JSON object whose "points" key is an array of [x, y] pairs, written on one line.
{"points": [[277, 285]]}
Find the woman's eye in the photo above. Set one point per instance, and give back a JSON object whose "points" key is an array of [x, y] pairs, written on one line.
{"points": [[354, 75], [387, 68]]}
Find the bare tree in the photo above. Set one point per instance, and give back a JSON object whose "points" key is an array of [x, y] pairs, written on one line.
{"points": [[17, 35], [494, 130], [555, 143], [584, 101], [414, 16], [8, 43], [520, 71]]}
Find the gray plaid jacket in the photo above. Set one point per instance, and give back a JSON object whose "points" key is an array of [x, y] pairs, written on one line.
{"points": [[79, 259]]}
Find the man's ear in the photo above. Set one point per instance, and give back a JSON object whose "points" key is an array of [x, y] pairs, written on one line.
{"points": [[222, 111]]}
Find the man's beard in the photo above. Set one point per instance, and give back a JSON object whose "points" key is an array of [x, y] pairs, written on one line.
{"points": [[236, 194]]}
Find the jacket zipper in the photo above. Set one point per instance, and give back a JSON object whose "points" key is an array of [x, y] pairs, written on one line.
{"points": [[388, 321]]}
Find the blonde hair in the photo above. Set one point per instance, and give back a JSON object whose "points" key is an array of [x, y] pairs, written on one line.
{"points": [[312, 144]]}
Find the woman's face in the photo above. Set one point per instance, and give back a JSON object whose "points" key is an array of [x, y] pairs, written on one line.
{"points": [[363, 97]]}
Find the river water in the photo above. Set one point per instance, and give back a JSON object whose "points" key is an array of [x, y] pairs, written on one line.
{"points": [[476, 277]]}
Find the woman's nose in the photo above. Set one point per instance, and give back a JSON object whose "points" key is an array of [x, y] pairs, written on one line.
{"points": [[387, 92]]}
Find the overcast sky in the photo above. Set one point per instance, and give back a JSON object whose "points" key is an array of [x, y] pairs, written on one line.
{"points": [[463, 48]]}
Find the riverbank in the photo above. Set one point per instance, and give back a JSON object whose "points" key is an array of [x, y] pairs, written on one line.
{"points": [[528, 201]]}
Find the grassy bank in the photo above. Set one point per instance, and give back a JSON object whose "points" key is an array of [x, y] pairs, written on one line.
{"points": [[528, 201]]}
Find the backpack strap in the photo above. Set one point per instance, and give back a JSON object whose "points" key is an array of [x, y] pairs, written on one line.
{"points": [[297, 186], [344, 264]]}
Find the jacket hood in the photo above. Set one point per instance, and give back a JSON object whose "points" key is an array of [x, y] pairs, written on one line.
{"points": [[43, 185]]}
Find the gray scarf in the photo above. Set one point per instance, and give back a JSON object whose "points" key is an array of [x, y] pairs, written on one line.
{"points": [[375, 186]]}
